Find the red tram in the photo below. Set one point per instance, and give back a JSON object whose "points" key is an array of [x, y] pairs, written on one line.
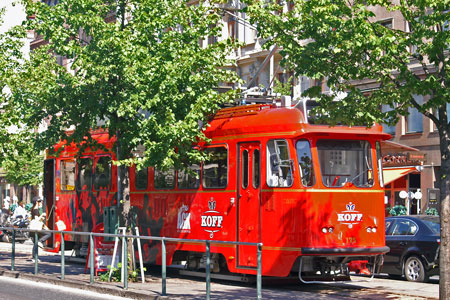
{"points": [[312, 194]]}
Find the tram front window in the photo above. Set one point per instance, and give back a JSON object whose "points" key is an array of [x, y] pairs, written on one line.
{"points": [[345, 162]]}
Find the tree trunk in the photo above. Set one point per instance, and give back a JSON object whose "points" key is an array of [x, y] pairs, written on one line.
{"points": [[123, 197], [444, 255]]}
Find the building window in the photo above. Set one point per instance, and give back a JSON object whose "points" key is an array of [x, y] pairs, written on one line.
{"points": [[231, 27], [305, 83], [410, 28], [387, 128], [50, 2], [414, 121], [436, 114], [386, 23], [212, 39]]}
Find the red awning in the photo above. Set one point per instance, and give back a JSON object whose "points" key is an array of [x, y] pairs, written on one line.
{"points": [[391, 174]]}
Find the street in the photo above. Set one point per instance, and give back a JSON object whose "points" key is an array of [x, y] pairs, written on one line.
{"points": [[19, 289]]}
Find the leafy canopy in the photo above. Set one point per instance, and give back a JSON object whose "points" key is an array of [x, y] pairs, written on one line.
{"points": [[343, 42], [137, 68], [20, 162]]}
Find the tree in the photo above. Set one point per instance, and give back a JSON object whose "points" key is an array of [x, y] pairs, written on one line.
{"points": [[20, 162], [136, 68], [343, 42]]}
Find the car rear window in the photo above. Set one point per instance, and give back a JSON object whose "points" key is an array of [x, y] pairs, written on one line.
{"points": [[405, 227], [434, 225]]}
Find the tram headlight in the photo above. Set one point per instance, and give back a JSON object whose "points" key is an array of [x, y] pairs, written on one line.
{"points": [[330, 230], [324, 230], [371, 229]]}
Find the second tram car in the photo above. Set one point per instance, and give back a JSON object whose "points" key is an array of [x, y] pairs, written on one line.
{"points": [[312, 194]]}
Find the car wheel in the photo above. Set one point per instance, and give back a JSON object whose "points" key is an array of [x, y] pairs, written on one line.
{"points": [[414, 270]]}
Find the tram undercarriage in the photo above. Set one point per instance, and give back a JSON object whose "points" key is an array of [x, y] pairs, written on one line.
{"points": [[332, 268]]}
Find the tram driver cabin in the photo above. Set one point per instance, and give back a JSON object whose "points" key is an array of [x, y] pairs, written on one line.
{"points": [[312, 194]]}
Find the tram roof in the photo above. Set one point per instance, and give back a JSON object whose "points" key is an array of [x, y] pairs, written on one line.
{"points": [[265, 119]]}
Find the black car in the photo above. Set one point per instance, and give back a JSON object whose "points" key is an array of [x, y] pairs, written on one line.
{"points": [[414, 242]]}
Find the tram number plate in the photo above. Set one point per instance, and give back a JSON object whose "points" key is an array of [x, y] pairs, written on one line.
{"points": [[350, 240]]}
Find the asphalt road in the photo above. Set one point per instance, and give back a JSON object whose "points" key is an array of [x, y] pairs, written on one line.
{"points": [[19, 289]]}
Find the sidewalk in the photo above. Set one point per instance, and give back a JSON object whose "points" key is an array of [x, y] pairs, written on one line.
{"points": [[50, 272], [181, 288]]}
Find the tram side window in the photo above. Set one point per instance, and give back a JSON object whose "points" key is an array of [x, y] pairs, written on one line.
{"points": [[189, 180], [305, 163], [140, 179], [102, 177], [380, 164], [279, 164], [215, 169], [256, 168], [244, 175], [345, 161], [84, 173], [67, 175], [164, 179]]}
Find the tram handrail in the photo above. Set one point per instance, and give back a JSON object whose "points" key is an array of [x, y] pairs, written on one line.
{"points": [[125, 237]]}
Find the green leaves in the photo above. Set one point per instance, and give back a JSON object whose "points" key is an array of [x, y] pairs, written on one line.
{"points": [[136, 67], [356, 48]]}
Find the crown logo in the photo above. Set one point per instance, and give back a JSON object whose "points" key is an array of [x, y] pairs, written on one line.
{"points": [[350, 206], [212, 204]]}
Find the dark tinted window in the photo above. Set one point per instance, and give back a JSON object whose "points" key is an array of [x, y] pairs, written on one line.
{"points": [[103, 173], [84, 173], [434, 225], [305, 162], [405, 227], [388, 223], [141, 179], [256, 168], [215, 169], [245, 169], [189, 180], [164, 179]]}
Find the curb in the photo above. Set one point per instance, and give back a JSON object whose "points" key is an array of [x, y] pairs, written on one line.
{"points": [[81, 285]]}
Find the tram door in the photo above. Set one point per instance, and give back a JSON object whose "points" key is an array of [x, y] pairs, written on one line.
{"points": [[49, 195], [249, 162]]}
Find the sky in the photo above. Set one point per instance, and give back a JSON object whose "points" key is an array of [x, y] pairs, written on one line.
{"points": [[14, 14]]}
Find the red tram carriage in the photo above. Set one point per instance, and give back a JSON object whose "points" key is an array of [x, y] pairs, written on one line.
{"points": [[312, 194]]}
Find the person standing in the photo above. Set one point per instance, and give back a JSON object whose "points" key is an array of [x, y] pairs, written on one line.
{"points": [[37, 223], [37, 210], [20, 211]]}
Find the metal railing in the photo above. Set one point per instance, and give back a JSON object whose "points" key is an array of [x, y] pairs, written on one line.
{"points": [[124, 237]]}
